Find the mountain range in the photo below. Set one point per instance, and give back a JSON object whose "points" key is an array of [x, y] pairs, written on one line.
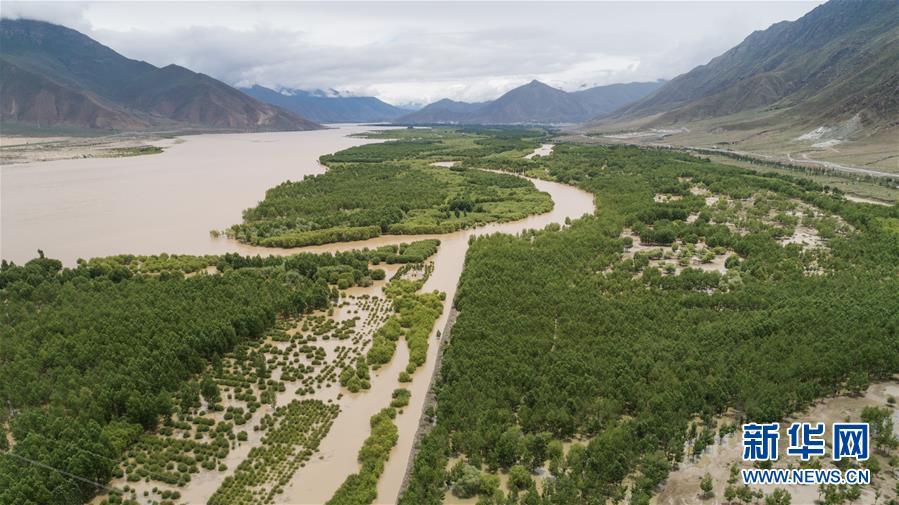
{"points": [[323, 107], [837, 63], [829, 76], [534, 103], [442, 111], [53, 75]]}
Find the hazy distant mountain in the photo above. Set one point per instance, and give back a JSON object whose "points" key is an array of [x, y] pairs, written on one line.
{"points": [[442, 111], [602, 100], [836, 62], [328, 108], [534, 103], [52, 75]]}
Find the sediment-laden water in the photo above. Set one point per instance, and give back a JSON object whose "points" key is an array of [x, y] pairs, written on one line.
{"points": [[168, 203]]}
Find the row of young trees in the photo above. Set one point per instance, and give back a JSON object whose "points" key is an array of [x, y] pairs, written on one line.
{"points": [[361, 488], [91, 356], [552, 340]]}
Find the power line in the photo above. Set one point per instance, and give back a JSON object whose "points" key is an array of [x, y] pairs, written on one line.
{"points": [[69, 445], [62, 472]]}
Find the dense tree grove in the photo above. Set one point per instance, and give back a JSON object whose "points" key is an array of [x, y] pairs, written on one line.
{"points": [[390, 188], [416, 252], [564, 335], [92, 355]]}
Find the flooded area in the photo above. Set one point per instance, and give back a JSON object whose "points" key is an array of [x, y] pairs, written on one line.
{"points": [[318, 480], [167, 202], [543, 150]]}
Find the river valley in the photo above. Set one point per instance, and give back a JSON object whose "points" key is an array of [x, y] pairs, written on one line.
{"points": [[168, 203]]}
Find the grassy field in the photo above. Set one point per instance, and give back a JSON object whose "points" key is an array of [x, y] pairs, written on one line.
{"points": [[778, 151], [847, 184]]}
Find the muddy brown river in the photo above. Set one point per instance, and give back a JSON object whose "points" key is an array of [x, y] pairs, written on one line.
{"points": [[168, 203]]}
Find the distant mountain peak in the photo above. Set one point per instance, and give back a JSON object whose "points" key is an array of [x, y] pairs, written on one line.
{"points": [[328, 106], [533, 103], [535, 84], [449, 102]]}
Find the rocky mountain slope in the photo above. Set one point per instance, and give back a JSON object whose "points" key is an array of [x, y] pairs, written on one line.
{"points": [[836, 62], [534, 103], [52, 75]]}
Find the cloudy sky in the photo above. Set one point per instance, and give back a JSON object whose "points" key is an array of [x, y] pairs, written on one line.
{"points": [[418, 52]]}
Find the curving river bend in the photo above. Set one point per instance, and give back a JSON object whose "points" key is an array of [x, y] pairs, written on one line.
{"points": [[168, 203]]}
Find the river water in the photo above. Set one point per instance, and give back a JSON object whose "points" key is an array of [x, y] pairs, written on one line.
{"points": [[317, 482], [169, 202]]}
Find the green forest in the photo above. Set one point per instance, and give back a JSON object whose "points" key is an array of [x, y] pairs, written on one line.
{"points": [[96, 355], [391, 188], [591, 353], [571, 335]]}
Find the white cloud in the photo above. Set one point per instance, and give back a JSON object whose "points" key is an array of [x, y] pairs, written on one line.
{"points": [[70, 14], [420, 51]]}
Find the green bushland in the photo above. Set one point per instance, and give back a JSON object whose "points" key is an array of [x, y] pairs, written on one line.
{"points": [[124, 265], [416, 252], [414, 318], [124, 152], [845, 182], [400, 398], [361, 488], [87, 356], [577, 342], [391, 188], [151, 263], [416, 314], [92, 355]]}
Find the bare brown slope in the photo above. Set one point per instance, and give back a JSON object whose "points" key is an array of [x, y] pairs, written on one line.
{"points": [[28, 97], [182, 95], [90, 85], [835, 62]]}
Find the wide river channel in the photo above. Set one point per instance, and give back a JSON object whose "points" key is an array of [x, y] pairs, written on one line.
{"points": [[169, 202]]}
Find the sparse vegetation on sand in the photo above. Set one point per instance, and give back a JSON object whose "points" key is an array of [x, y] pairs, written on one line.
{"points": [[119, 152]]}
